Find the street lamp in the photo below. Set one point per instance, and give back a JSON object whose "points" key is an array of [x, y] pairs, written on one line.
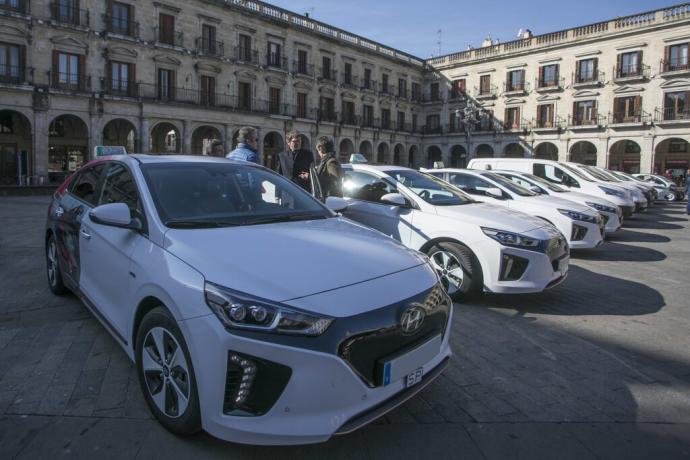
{"points": [[471, 115]]}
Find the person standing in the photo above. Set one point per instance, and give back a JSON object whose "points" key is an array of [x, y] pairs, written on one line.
{"points": [[247, 147], [328, 171], [295, 162], [687, 190]]}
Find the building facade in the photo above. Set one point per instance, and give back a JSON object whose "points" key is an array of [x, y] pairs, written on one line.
{"points": [[168, 77]]}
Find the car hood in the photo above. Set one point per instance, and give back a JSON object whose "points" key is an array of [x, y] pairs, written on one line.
{"points": [[554, 202], [283, 261], [584, 198], [492, 216]]}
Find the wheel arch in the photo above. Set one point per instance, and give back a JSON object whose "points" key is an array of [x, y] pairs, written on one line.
{"points": [[145, 305]]}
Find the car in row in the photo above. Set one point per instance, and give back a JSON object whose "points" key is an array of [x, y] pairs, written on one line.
{"points": [[665, 188]]}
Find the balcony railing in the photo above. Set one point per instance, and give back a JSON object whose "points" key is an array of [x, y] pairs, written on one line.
{"points": [[486, 92], [386, 123], [69, 81], [517, 87], [674, 66], [549, 84], [66, 14], [370, 122], [517, 125], [350, 81], [426, 129], [632, 71], [621, 118], [303, 112], [457, 94], [403, 127], [403, 93], [588, 78], [672, 114], [387, 89], [16, 6], [371, 85], [302, 68], [328, 75], [171, 37], [210, 47], [246, 55], [276, 61], [432, 97], [121, 26], [349, 119], [123, 88], [327, 115], [276, 108], [416, 96], [598, 120], [555, 123], [15, 75]]}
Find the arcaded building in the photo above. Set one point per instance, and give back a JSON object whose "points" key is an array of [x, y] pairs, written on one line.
{"points": [[168, 77]]}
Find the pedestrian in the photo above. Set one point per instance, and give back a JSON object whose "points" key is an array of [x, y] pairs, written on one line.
{"points": [[247, 147], [215, 148], [295, 162], [328, 170], [687, 190]]}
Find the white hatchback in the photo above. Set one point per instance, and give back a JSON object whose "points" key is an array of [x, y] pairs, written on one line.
{"points": [[473, 246]]}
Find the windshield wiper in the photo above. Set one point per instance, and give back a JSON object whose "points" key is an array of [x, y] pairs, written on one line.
{"points": [[191, 224], [282, 218]]}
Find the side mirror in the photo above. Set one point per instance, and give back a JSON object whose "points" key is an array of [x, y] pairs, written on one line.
{"points": [[536, 189], [394, 199], [494, 192], [336, 204], [114, 215]]}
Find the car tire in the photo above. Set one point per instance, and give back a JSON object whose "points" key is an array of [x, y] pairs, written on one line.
{"points": [[166, 374], [458, 268], [53, 270]]}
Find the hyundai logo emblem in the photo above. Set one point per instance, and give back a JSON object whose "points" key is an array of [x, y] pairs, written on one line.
{"points": [[412, 319]]}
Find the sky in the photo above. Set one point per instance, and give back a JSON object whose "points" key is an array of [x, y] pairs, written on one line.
{"points": [[413, 26]]}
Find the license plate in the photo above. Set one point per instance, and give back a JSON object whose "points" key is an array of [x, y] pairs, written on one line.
{"points": [[402, 366], [414, 378]]}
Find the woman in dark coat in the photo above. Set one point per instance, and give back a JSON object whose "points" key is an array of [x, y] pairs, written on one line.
{"points": [[328, 170]]}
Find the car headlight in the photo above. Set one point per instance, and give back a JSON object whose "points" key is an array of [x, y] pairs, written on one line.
{"points": [[610, 191], [601, 207], [513, 239], [578, 215], [240, 311]]}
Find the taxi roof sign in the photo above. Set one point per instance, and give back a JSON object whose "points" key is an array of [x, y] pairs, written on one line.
{"points": [[107, 150]]}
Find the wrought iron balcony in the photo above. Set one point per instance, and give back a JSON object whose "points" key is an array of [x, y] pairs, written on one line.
{"points": [[432, 97], [121, 26], [302, 68], [588, 78], [117, 87], [675, 65], [632, 72], [515, 88], [623, 118], [369, 122], [554, 123], [672, 114], [327, 115], [329, 75], [553, 84], [210, 47], [386, 123], [276, 61], [403, 127], [457, 95], [593, 121], [426, 129], [349, 119], [67, 14], [15, 75], [246, 55], [370, 85], [486, 92], [304, 112], [517, 125], [69, 81], [169, 37], [387, 89], [350, 81], [403, 93], [278, 108]]}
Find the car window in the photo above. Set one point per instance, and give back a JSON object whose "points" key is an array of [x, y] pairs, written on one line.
{"points": [[519, 181], [470, 184], [598, 174], [119, 187], [576, 172], [511, 186], [430, 188], [226, 194], [86, 185], [361, 185], [553, 174], [545, 184]]}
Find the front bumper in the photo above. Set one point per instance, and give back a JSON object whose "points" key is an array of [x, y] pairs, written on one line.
{"points": [[627, 210], [613, 222], [324, 395], [593, 236]]}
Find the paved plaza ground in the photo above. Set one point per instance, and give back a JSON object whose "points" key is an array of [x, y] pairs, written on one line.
{"points": [[598, 367]]}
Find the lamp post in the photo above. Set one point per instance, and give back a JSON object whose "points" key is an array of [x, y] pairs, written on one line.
{"points": [[471, 115]]}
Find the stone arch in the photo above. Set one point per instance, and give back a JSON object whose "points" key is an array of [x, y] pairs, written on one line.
{"points": [[165, 139], [398, 152], [365, 149], [583, 152], [68, 146], [546, 151], [120, 131], [484, 151], [458, 156], [382, 153], [15, 148], [672, 154], [346, 148], [514, 150], [273, 144], [202, 137], [625, 155], [412, 156], [433, 154]]}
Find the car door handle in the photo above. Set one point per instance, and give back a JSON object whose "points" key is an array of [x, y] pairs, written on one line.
{"points": [[85, 234], [59, 211]]}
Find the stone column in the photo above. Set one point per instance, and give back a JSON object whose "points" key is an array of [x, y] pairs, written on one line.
{"points": [[41, 145], [227, 138], [144, 135], [186, 138], [602, 152], [95, 134], [647, 154]]}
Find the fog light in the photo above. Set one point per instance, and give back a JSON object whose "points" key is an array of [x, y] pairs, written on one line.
{"points": [[513, 267], [579, 233]]}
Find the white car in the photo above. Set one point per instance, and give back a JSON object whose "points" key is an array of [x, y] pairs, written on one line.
{"points": [[648, 189], [595, 174], [609, 211], [561, 174], [582, 226], [473, 246], [666, 188], [250, 309]]}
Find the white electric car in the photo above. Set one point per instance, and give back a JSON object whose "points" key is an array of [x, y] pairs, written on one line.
{"points": [[473, 246], [582, 225], [251, 310], [595, 174], [648, 189], [609, 211], [666, 189], [561, 174]]}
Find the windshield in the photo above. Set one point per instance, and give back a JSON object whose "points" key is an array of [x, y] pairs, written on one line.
{"points": [[598, 174], [200, 194], [622, 176], [575, 172], [430, 189], [545, 183], [510, 185]]}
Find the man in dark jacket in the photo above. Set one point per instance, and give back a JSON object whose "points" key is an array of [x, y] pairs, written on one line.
{"points": [[294, 163], [328, 170]]}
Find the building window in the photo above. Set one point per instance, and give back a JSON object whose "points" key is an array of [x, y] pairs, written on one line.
{"points": [[208, 90], [244, 92], [120, 21], [433, 124], [585, 113], [301, 105], [10, 63], [434, 92], [676, 57], [274, 56], [401, 121], [586, 71], [65, 11], [327, 108], [416, 91], [385, 118], [548, 76], [458, 88], [368, 115], [274, 101], [384, 83], [166, 29], [627, 109], [6, 126], [166, 84], [244, 49], [512, 118], [326, 68], [349, 112], [302, 59], [676, 105], [485, 85], [11, 5], [208, 40], [402, 87], [121, 78], [545, 116], [629, 64], [367, 79], [414, 122], [515, 80]]}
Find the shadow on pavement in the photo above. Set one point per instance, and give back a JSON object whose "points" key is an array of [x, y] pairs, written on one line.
{"points": [[625, 235], [617, 252]]}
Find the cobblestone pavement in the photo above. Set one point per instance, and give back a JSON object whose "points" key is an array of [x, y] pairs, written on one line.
{"points": [[599, 367]]}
